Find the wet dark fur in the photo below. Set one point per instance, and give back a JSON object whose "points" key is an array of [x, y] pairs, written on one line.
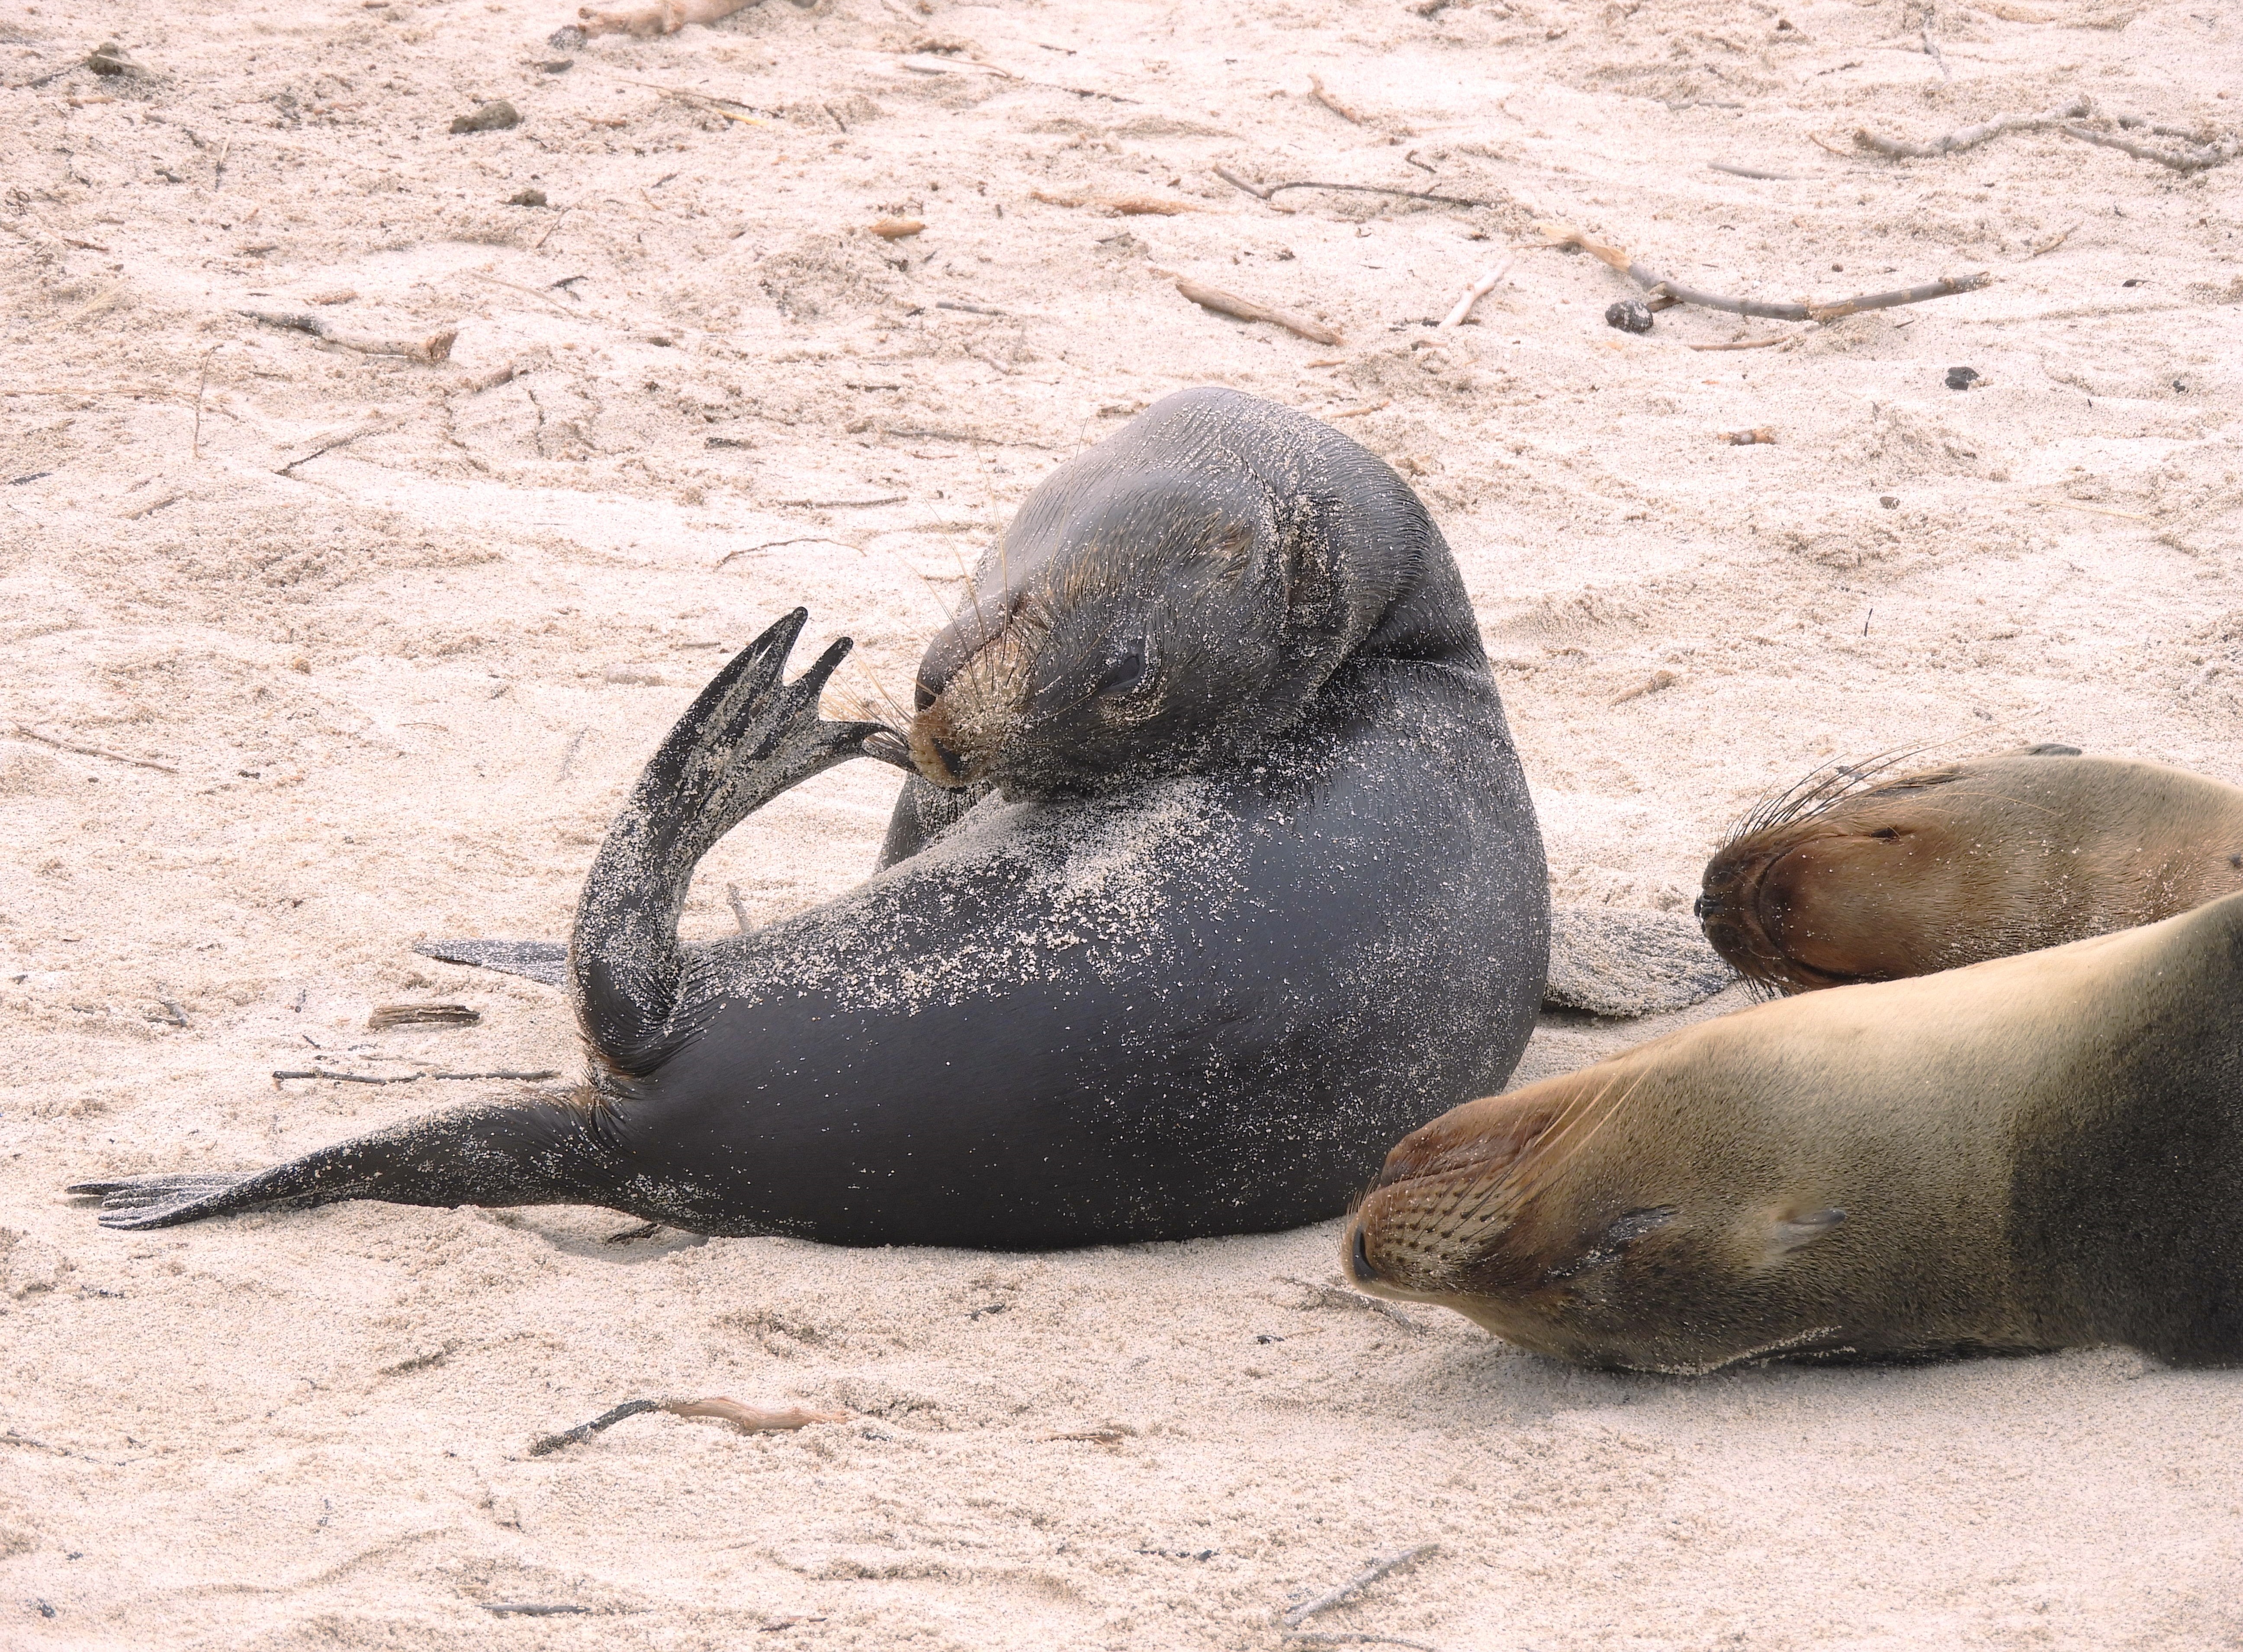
{"points": [[1200, 1001]]}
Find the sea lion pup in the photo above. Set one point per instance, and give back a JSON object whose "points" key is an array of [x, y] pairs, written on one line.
{"points": [[1852, 875], [1201, 1003], [2030, 1154]]}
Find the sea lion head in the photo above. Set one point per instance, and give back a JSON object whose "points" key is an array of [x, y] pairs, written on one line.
{"points": [[1158, 605], [1601, 1217]]}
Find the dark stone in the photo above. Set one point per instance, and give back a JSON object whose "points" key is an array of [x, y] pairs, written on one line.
{"points": [[526, 197], [492, 116], [1629, 315], [1961, 378]]}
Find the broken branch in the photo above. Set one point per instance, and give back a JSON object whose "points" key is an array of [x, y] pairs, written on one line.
{"points": [[1265, 192], [1557, 234], [1478, 290], [749, 1418], [1316, 91], [1296, 1616], [437, 347], [1971, 137], [2193, 160], [1222, 303], [28, 733]]}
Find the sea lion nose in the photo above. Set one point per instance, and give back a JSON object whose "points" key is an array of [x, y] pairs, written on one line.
{"points": [[1704, 907], [1358, 1257], [953, 763]]}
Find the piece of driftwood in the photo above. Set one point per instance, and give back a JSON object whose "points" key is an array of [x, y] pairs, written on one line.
{"points": [[1462, 310], [1317, 90], [897, 229], [1268, 192], [388, 1015], [1222, 303], [1971, 137], [748, 1419], [1747, 344], [1557, 234], [663, 18], [1295, 1616], [437, 347], [2199, 159], [1736, 171]]}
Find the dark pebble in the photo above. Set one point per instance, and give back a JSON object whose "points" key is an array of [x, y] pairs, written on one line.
{"points": [[1961, 378], [526, 197], [1890, 502], [492, 116], [566, 39], [1629, 315]]}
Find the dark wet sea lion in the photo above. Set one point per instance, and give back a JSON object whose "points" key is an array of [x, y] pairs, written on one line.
{"points": [[2040, 1152], [1861, 875], [1201, 1003]]}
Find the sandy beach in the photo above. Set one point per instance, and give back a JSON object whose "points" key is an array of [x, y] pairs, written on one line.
{"points": [[312, 652]]}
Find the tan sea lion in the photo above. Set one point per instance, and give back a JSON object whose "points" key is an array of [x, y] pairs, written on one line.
{"points": [[1853, 876], [2040, 1152]]}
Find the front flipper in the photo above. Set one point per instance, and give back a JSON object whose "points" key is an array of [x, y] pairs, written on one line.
{"points": [[750, 736], [545, 960], [541, 1152]]}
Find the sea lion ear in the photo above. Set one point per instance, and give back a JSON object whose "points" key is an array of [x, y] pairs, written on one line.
{"points": [[1790, 1233], [1309, 559]]}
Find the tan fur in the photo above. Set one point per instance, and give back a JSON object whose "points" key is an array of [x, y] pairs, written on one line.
{"points": [[1972, 860], [1836, 1173]]}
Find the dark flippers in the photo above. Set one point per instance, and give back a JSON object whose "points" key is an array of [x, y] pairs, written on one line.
{"points": [[539, 1152], [545, 960], [750, 735]]}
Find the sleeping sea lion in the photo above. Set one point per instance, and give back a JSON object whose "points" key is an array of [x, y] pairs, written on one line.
{"points": [[2029, 1154], [1247, 881], [1853, 876]]}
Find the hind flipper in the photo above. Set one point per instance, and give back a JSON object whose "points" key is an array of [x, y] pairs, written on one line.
{"points": [[539, 1152], [750, 735], [545, 960]]}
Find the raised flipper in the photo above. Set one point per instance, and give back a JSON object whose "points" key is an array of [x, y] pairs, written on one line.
{"points": [[750, 736], [532, 1153], [545, 960], [1625, 963]]}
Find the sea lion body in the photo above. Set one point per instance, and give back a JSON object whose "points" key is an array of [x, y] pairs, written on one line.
{"points": [[1198, 1000], [1965, 862], [2038, 1152]]}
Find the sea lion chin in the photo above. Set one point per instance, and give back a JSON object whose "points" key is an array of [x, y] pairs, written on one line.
{"points": [[1865, 875], [1981, 1162]]}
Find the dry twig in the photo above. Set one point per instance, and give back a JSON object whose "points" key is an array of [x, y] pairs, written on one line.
{"points": [[1350, 1637], [1462, 312], [1556, 235], [2200, 159], [1734, 170], [1971, 137], [1295, 1616], [1127, 205], [1317, 92], [2054, 241], [1749, 344], [28, 733], [748, 1419], [413, 1078], [1266, 192], [437, 347], [1222, 303]]}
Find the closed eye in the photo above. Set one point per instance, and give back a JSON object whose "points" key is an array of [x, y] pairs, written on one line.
{"points": [[1127, 672]]}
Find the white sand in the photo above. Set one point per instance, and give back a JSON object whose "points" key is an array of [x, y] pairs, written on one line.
{"points": [[403, 686]]}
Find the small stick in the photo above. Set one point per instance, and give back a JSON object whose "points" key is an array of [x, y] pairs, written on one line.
{"points": [[1734, 170], [1557, 234], [342, 439], [1222, 303], [772, 544], [2195, 160], [739, 907], [532, 292], [2050, 245], [414, 1078], [1478, 290], [1296, 1616], [1971, 137], [568, 757], [663, 18], [1265, 192], [1931, 46], [531, 1608], [2100, 510], [1236, 182], [751, 1419], [1747, 344], [1316, 91], [195, 449], [30, 733], [151, 507], [1351, 1637], [437, 347], [537, 244]]}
